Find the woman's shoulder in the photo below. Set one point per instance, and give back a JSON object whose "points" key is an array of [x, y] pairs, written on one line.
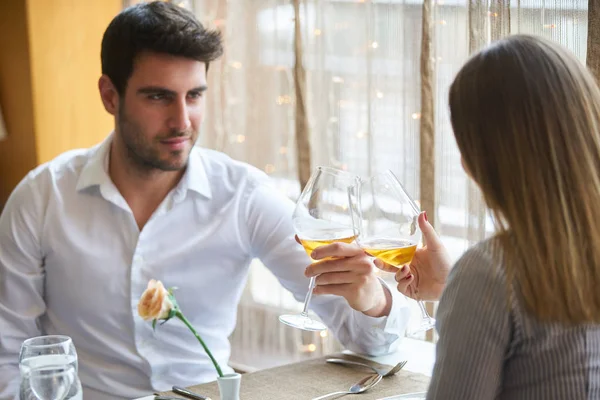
{"points": [[476, 291], [482, 262]]}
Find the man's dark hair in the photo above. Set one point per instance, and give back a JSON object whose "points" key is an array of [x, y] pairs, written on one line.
{"points": [[155, 27]]}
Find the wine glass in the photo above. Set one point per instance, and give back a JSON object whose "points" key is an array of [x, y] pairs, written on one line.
{"points": [[52, 357], [321, 217], [385, 224], [52, 382]]}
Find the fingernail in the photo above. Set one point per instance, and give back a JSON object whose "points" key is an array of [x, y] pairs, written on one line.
{"points": [[403, 269], [409, 276], [313, 255], [425, 215]]}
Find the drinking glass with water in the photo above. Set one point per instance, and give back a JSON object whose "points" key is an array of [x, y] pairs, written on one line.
{"points": [[48, 366]]}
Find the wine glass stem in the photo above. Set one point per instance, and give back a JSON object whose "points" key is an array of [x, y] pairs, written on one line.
{"points": [[311, 286], [424, 312]]}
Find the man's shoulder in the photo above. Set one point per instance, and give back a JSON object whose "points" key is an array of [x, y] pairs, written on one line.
{"points": [[54, 175], [220, 166], [66, 165]]}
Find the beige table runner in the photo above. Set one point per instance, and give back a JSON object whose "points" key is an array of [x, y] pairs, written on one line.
{"points": [[308, 379]]}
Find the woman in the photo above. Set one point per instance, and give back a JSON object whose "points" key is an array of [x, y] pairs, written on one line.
{"points": [[519, 315]]}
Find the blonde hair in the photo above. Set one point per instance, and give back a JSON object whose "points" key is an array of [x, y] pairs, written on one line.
{"points": [[526, 117]]}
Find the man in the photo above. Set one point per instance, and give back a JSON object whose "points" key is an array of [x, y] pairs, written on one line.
{"points": [[81, 235]]}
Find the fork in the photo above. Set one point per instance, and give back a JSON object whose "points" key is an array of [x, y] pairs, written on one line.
{"points": [[379, 371]]}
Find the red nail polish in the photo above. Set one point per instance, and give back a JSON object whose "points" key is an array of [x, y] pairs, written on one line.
{"points": [[425, 215], [409, 276]]}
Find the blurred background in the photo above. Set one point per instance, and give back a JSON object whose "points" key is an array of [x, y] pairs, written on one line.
{"points": [[369, 93]]}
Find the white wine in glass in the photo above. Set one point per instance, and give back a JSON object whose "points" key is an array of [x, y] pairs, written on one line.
{"points": [[385, 222], [321, 217]]}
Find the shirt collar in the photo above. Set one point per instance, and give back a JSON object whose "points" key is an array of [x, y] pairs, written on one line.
{"points": [[195, 177], [95, 171]]}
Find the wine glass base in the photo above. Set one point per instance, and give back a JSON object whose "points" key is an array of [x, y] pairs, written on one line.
{"points": [[302, 322], [425, 325]]}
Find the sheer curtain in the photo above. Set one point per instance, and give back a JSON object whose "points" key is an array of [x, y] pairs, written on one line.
{"points": [[375, 92]]}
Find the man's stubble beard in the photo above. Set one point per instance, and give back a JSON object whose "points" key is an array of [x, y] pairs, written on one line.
{"points": [[142, 153]]}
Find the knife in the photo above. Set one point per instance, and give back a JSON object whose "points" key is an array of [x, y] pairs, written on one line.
{"points": [[188, 394], [159, 397]]}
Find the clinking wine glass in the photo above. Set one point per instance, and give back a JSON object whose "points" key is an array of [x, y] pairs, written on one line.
{"points": [[385, 223], [321, 217]]}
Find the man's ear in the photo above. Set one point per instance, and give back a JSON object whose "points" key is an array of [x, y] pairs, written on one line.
{"points": [[108, 94]]}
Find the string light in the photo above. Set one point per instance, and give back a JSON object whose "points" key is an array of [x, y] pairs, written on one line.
{"points": [[236, 64], [360, 135], [374, 45], [416, 115], [379, 94], [318, 32], [344, 167], [323, 334], [311, 348], [337, 79], [550, 26], [269, 168], [285, 99], [283, 150], [492, 14], [241, 138], [443, 22]]}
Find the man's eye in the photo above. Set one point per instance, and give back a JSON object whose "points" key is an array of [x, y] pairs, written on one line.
{"points": [[195, 95], [157, 96]]}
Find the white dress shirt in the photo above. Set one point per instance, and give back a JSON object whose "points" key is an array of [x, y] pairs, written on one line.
{"points": [[73, 262]]}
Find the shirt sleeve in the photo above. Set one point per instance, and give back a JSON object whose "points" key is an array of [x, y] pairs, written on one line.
{"points": [[473, 322], [21, 280], [270, 235]]}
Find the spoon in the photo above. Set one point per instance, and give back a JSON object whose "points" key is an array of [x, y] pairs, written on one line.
{"points": [[364, 384], [381, 372]]}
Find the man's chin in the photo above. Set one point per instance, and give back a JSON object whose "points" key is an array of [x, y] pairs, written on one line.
{"points": [[176, 161], [173, 166]]}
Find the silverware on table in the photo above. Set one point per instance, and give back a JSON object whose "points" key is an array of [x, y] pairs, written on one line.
{"points": [[407, 396], [190, 395], [361, 386], [379, 371], [159, 397]]}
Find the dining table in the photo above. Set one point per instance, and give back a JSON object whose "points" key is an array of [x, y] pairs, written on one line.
{"points": [[307, 379]]}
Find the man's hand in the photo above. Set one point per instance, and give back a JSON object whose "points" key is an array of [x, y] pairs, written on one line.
{"points": [[425, 277], [347, 271]]}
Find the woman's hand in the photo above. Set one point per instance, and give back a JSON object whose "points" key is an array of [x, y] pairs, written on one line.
{"points": [[425, 277]]}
